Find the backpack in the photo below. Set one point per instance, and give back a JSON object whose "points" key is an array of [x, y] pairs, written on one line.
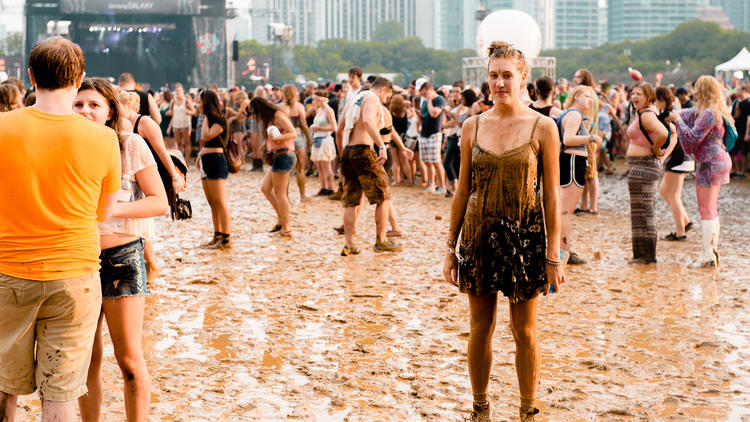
{"points": [[665, 145], [730, 134], [559, 119]]}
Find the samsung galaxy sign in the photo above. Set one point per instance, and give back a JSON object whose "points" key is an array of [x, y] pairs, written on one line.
{"points": [[165, 7]]}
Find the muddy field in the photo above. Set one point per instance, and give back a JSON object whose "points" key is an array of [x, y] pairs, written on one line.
{"points": [[287, 330]]}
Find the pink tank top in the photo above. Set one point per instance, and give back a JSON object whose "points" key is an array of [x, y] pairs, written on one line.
{"points": [[636, 135]]}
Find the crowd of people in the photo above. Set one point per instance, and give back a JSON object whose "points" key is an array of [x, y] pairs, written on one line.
{"points": [[518, 160]]}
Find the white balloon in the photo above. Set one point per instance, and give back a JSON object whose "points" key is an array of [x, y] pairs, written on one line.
{"points": [[513, 26]]}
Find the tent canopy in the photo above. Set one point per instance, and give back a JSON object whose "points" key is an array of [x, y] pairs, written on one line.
{"points": [[739, 62]]}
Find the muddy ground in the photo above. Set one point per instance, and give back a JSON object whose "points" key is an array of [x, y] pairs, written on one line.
{"points": [[287, 330]]}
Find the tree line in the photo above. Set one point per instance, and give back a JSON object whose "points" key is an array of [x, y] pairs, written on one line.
{"points": [[690, 50]]}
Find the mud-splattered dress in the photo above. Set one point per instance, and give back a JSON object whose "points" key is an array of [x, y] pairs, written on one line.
{"points": [[503, 240]]}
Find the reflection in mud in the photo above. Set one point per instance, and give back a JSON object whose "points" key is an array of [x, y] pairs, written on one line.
{"points": [[287, 330]]}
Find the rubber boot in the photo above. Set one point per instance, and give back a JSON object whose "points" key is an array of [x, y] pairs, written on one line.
{"points": [[715, 240], [707, 258]]}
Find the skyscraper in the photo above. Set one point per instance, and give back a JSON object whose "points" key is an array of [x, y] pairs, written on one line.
{"points": [[641, 19], [580, 23], [738, 12], [315, 20]]}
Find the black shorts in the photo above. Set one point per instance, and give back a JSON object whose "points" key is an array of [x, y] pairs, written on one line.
{"points": [[572, 169], [214, 166], [675, 159]]}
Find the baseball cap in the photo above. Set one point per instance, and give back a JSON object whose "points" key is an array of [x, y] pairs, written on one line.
{"points": [[267, 86], [418, 84]]}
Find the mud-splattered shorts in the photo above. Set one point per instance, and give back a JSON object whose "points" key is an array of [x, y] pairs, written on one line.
{"points": [[57, 317], [123, 271], [363, 175]]}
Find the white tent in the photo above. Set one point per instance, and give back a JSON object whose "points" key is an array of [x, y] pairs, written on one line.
{"points": [[739, 62]]}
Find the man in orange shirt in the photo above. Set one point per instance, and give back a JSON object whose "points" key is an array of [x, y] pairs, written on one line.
{"points": [[61, 173]]}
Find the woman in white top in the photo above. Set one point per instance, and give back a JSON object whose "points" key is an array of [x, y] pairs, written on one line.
{"points": [[323, 150], [181, 110], [123, 265]]}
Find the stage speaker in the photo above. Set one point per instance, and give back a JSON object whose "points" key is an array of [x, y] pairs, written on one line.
{"points": [[235, 50]]}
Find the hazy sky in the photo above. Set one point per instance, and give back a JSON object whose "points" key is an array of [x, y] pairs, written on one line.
{"points": [[12, 15]]}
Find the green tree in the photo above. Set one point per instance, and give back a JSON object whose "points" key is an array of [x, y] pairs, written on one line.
{"points": [[388, 31], [12, 45]]}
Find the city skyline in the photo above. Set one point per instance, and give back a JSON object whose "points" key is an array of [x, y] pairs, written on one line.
{"points": [[451, 24]]}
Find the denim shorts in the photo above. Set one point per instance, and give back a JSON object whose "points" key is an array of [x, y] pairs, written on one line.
{"points": [[214, 166], [123, 271], [284, 163], [300, 143]]}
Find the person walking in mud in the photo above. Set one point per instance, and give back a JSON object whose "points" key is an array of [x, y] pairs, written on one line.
{"points": [[509, 244], [362, 168]]}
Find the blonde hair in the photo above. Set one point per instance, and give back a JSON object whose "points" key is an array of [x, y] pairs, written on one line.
{"points": [[290, 93], [708, 96], [259, 92], [504, 50], [574, 93], [129, 100]]}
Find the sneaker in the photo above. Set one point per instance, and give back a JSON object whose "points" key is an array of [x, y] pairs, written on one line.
{"points": [[428, 190], [574, 259], [439, 191], [388, 246], [349, 251], [321, 192], [480, 414]]}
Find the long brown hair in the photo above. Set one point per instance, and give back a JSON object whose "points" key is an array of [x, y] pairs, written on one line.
{"points": [[263, 110], [106, 90]]}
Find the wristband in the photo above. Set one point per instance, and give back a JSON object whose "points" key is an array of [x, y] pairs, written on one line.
{"points": [[552, 262], [451, 251]]}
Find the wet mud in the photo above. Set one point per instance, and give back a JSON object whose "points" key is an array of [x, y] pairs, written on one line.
{"points": [[287, 330]]}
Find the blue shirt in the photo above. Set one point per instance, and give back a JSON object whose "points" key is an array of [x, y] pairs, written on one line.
{"points": [[432, 125]]}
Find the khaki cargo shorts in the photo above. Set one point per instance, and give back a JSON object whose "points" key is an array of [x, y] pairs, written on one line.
{"points": [[59, 317]]}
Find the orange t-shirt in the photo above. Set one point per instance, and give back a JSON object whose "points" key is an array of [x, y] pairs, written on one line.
{"points": [[53, 171]]}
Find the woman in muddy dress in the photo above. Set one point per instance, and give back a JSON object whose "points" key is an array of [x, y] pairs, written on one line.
{"points": [[498, 210]]}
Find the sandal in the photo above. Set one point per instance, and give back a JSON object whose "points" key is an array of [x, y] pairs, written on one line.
{"points": [[275, 228], [394, 233], [287, 233], [688, 226], [674, 238]]}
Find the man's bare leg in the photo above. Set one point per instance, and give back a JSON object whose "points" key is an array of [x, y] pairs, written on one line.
{"points": [[8, 407], [58, 411], [381, 219], [350, 222]]}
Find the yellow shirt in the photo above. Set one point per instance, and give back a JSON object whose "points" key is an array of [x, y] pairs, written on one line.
{"points": [[53, 172]]}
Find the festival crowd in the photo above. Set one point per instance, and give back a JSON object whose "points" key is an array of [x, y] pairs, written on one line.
{"points": [[94, 163]]}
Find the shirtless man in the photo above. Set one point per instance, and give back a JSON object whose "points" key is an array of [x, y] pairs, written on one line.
{"points": [[362, 167]]}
